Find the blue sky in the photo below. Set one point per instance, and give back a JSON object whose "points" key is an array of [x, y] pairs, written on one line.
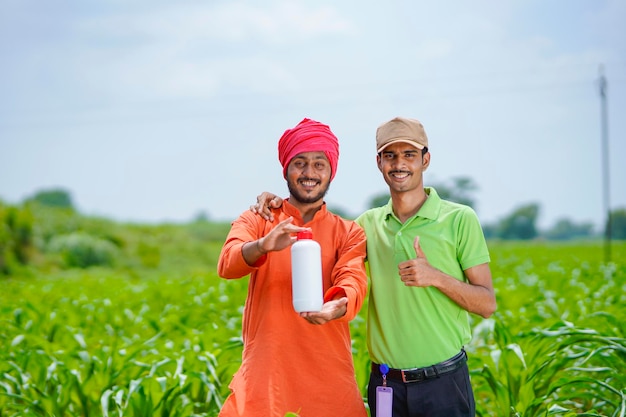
{"points": [[155, 111]]}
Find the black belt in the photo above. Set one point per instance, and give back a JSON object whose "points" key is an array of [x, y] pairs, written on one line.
{"points": [[428, 372]]}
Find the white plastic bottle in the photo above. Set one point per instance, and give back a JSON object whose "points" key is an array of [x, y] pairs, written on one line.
{"points": [[306, 273]]}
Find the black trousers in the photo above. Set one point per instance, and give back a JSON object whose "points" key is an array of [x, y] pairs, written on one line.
{"points": [[448, 395]]}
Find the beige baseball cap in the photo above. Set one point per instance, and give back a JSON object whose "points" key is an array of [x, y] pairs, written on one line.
{"points": [[401, 129]]}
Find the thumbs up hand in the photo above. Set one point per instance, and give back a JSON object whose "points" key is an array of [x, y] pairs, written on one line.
{"points": [[416, 272], [418, 250]]}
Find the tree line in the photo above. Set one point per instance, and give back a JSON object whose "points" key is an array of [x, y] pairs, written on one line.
{"points": [[79, 248]]}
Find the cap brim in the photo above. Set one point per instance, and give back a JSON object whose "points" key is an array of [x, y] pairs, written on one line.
{"points": [[409, 142]]}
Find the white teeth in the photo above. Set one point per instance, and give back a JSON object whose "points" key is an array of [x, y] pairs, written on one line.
{"points": [[400, 175]]}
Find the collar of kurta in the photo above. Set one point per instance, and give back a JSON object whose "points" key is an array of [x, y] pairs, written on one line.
{"points": [[291, 210]]}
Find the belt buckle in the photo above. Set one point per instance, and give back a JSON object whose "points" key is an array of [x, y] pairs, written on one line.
{"points": [[411, 375]]}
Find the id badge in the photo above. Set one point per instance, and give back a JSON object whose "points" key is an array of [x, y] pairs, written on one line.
{"points": [[384, 401]]}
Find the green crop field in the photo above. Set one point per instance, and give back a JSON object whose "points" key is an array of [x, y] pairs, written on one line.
{"points": [[156, 332]]}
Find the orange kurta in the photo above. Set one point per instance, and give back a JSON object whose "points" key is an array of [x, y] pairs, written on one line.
{"points": [[288, 364]]}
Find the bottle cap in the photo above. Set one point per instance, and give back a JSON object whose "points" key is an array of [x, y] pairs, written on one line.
{"points": [[306, 234]]}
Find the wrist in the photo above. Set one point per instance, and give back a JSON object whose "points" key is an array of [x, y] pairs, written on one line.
{"points": [[259, 248]]}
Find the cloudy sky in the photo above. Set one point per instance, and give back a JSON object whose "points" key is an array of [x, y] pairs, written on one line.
{"points": [[155, 111]]}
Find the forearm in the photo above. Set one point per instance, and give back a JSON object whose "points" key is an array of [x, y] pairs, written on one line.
{"points": [[253, 251], [475, 298], [239, 259], [353, 301], [350, 277]]}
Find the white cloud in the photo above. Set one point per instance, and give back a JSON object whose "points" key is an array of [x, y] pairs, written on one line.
{"points": [[196, 50], [233, 21], [283, 22]]}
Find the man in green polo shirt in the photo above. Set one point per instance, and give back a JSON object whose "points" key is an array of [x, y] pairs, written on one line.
{"points": [[429, 268]]}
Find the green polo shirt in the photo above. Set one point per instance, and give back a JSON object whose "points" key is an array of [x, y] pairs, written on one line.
{"points": [[410, 327]]}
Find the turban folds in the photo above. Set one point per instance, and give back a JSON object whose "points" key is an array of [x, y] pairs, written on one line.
{"points": [[308, 136]]}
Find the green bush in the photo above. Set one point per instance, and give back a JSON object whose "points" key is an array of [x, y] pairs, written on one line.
{"points": [[53, 198], [82, 250], [149, 254], [16, 237]]}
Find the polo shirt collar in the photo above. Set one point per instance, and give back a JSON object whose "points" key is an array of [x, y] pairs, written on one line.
{"points": [[429, 210]]}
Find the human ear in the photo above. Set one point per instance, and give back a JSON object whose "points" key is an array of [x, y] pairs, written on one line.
{"points": [[425, 160]]}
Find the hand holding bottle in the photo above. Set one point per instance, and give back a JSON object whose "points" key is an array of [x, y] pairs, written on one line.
{"points": [[331, 310]]}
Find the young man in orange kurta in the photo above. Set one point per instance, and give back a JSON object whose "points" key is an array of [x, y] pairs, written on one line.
{"points": [[297, 362]]}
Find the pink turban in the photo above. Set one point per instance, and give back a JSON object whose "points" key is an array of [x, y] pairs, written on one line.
{"points": [[308, 136]]}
